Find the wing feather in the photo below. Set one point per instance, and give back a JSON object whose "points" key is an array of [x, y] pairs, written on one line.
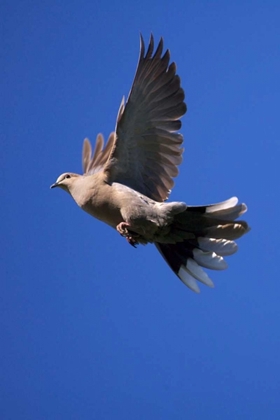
{"points": [[94, 161], [147, 148]]}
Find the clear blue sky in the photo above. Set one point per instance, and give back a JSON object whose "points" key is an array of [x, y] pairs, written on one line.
{"points": [[90, 327]]}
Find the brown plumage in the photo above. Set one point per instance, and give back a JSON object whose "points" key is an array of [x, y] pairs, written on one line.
{"points": [[126, 182]]}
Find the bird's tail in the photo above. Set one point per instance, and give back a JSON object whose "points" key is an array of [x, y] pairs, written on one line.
{"points": [[204, 235]]}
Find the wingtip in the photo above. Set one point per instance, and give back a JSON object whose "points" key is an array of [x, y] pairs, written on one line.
{"points": [[142, 47], [150, 47], [87, 141], [86, 154]]}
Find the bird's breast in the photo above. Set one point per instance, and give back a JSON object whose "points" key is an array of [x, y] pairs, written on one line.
{"points": [[104, 205]]}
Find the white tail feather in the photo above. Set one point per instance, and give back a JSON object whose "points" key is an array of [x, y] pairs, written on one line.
{"points": [[227, 210], [219, 246], [230, 203], [188, 279], [228, 231], [197, 272], [209, 260]]}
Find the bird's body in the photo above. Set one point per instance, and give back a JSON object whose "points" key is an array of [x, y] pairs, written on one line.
{"points": [[115, 203], [126, 182]]}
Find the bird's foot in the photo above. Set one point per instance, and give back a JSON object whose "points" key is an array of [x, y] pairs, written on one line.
{"points": [[131, 237], [122, 228]]}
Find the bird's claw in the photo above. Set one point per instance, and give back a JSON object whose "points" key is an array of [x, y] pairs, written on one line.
{"points": [[131, 237]]}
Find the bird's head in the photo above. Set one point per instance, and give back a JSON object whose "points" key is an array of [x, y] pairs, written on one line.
{"points": [[66, 181]]}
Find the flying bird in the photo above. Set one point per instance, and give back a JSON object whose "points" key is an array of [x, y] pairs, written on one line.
{"points": [[127, 181]]}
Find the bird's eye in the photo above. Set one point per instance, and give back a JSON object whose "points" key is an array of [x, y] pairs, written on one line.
{"points": [[67, 176]]}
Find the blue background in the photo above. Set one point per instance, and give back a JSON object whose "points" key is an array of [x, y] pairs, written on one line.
{"points": [[90, 327]]}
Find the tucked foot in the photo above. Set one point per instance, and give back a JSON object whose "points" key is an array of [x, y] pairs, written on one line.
{"points": [[131, 237], [122, 228]]}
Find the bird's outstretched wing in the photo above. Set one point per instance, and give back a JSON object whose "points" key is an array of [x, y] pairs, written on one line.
{"points": [[94, 161], [147, 148]]}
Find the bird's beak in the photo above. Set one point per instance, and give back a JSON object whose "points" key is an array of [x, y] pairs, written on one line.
{"points": [[54, 185]]}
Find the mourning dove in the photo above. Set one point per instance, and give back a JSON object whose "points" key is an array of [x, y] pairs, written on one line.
{"points": [[126, 182]]}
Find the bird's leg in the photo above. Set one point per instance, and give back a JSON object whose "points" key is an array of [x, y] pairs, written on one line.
{"points": [[131, 237]]}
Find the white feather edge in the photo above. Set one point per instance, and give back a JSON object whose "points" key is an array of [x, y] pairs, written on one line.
{"points": [[209, 260], [219, 246], [198, 273], [188, 279], [192, 272], [231, 202]]}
